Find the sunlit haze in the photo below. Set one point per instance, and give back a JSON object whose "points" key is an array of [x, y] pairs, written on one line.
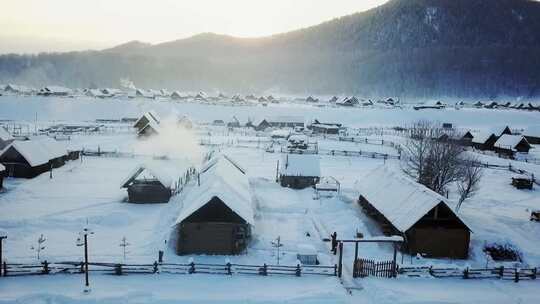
{"points": [[61, 25]]}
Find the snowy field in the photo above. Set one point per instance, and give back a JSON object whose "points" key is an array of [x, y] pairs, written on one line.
{"points": [[89, 191]]}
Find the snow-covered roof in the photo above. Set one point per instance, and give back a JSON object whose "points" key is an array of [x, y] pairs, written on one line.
{"points": [[223, 178], [4, 134], [149, 171], [285, 119], [481, 137], [300, 165], [2, 168], [509, 141], [283, 133], [150, 116], [58, 89], [151, 124], [401, 200], [498, 130], [306, 249], [532, 131], [298, 138], [37, 151]]}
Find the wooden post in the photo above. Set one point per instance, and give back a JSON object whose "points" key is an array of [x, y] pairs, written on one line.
{"points": [[87, 283], [340, 265], [1, 241], [355, 259], [516, 275], [394, 268]]}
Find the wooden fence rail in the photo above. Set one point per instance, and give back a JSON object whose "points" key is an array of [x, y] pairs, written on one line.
{"points": [[515, 274], [47, 268]]}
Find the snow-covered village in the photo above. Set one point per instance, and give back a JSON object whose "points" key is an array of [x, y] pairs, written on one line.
{"points": [[391, 155]]}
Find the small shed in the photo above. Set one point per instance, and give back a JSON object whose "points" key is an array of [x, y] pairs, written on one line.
{"points": [[325, 129], [148, 184], [217, 213], [423, 217], [299, 171], [307, 254], [466, 138], [483, 140], [509, 145], [522, 182]]}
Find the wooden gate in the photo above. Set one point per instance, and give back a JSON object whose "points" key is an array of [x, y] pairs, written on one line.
{"points": [[363, 268]]}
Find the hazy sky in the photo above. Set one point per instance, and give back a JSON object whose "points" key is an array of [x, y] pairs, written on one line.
{"points": [[53, 25]]}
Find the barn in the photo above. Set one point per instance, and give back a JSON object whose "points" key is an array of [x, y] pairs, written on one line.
{"points": [[279, 122], [217, 214], [299, 171], [30, 158], [483, 140], [509, 145], [423, 217], [148, 184], [318, 128]]}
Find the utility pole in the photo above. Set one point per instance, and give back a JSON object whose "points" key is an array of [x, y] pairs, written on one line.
{"points": [[82, 240], [39, 246], [124, 244], [277, 243]]}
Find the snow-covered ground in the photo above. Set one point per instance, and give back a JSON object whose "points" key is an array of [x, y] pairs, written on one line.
{"points": [[89, 191]]}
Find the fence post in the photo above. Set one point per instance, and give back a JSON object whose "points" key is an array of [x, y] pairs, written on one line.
{"points": [[340, 265], [263, 270], [46, 267], [501, 271], [466, 273], [229, 271], [118, 269], [516, 275], [533, 274], [298, 271], [5, 269], [155, 267], [191, 267]]}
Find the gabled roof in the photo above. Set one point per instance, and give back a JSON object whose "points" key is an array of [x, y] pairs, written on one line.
{"points": [[481, 137], [221, 177], [401, 200], [300, 165], [509, 141], [151, 116], [151, 172], [38, 151]]}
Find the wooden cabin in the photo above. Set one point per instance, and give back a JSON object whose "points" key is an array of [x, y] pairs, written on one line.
{"points": [[145, 119], [278, 122], [466, 139], [424, 218], [148, 184], [30, 158], [348, 102], [483, 140], [217, 214], [299, 171], [509, 145]]}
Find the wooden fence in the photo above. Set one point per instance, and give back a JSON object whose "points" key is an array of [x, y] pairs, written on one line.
{"points": [[515, 274], [46, 268], [363, 268]]}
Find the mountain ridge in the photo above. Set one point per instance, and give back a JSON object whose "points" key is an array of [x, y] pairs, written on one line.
{"points": [[402, 48]]}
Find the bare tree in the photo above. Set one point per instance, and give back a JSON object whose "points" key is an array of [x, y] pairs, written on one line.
{"points": [[432, 157], [469, 183]]}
